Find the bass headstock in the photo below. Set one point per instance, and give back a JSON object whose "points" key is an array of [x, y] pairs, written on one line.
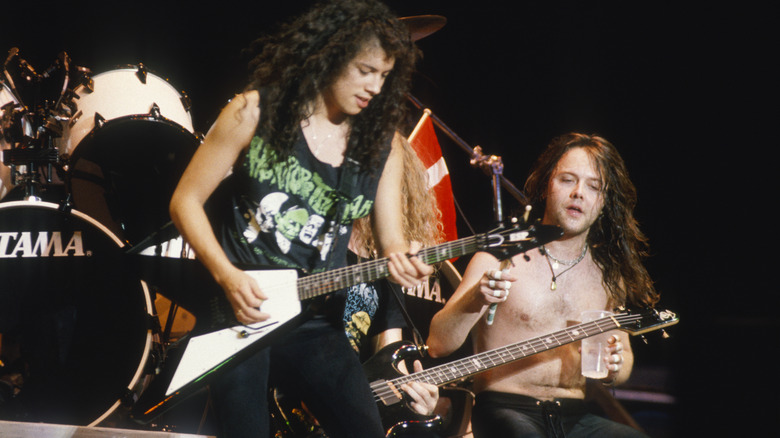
{"points": [[506, 241], [646, 321]]}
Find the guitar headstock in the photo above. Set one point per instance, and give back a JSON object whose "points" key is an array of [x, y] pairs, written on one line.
{"points": [[506, 242], [646, 321]]}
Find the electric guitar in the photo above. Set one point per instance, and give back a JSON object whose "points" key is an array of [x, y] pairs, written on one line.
{"points": [[396, 416], [197, 359]]}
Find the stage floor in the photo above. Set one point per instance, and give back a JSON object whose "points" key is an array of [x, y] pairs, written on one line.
{"points": [[11, 429]]}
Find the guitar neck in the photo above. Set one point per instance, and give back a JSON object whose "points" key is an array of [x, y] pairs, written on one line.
{"points": [[484, 361], [330, 281]]}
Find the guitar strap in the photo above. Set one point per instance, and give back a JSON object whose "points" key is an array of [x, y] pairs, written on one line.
{"points": [[419, 342], [348, 178]]}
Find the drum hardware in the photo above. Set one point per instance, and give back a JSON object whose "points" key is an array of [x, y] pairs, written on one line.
{"points": [[141, 73], [30, 159], [31, 123], [53, 127]]}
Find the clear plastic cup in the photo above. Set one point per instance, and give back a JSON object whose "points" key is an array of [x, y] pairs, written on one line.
{"points": [[594, 352]]}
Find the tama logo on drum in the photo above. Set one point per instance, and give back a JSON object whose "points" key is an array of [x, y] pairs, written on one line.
{"points": [[41, 244]]}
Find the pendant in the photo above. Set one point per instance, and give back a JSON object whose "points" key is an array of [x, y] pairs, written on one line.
{"points": [[555, 265], [553, 285]]}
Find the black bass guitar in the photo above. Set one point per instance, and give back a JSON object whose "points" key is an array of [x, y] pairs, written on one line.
{"points": [[397, 416], [198, 358]]}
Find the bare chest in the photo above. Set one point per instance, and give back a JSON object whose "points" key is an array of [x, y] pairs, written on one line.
{"points": [[535, 307]]}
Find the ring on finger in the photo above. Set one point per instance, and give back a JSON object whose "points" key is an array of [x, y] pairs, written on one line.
{"points": [[498, 274], [492, 284], [497, 293]]}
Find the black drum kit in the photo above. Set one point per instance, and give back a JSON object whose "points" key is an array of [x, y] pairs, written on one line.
{"points": [[89, 163]]}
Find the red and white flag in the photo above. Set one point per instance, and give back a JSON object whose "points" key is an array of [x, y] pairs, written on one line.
{"points": [[424, 142]]}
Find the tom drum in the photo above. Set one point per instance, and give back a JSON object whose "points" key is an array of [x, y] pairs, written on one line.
{"points": [[129, 138]]}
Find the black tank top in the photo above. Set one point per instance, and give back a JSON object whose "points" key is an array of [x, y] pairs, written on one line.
{"points": [[285, 214]]}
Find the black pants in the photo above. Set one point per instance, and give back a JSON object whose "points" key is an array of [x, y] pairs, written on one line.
{"points": [[497, 414], [314, 362]]}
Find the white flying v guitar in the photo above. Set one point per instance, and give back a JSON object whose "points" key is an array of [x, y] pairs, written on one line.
{"points": [[206, 354]]}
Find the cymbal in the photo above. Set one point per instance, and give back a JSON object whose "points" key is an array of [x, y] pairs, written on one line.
{"points": [[420, 26]]}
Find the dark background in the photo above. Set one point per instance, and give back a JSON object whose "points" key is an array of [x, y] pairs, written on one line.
{"points": [[685, 92]]}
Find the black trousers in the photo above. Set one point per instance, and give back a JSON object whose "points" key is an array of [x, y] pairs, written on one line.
{"points": [[497, 414], [315, 363]]}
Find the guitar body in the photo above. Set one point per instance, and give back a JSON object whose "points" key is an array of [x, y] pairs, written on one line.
{"points": [[396, 415], [194, 360]]}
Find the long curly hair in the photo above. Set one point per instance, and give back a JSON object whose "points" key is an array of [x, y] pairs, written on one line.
{"points": [[617, 244], [308, 54], [421, 216]]}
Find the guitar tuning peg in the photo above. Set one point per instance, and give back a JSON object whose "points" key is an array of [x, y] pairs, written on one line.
{"points": [[644, 339], [527, 213]]}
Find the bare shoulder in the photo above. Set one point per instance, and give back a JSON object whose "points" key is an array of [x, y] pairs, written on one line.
{"points": [[398, 140], [237, 121], [397, 146], [245, 106]]}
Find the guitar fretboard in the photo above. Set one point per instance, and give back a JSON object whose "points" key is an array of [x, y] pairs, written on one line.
{"points": [[326, 282]]}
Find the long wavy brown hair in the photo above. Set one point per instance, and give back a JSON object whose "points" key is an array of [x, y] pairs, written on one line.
{"points": [[421, 216], [617, 244], [308, 54]]}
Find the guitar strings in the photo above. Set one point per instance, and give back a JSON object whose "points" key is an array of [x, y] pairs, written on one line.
{"points": [[471, 365], [320, 283], [329, 281]]}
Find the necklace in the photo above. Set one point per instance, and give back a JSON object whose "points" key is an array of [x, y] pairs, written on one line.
{"points": [[318, 143], [334, 135], [554, 264]]}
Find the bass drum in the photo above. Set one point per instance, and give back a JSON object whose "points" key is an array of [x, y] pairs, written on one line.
{"points": [[75, 322], [129, 139]]}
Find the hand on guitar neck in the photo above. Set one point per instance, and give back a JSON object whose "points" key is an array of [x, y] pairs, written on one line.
{"points": [[421, 397], [406, 269]]}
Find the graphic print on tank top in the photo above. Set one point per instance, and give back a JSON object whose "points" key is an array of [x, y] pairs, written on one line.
{"points": [[282, 213]]}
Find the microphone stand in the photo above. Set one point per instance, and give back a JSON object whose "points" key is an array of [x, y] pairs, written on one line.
{"points": [[493, 166], [478, 159]]}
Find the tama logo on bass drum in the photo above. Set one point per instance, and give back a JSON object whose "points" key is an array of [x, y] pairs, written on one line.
{"points": [[41, 244]]}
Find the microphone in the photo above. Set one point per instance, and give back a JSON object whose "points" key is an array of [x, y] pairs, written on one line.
{"points": [[491, 314]]}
